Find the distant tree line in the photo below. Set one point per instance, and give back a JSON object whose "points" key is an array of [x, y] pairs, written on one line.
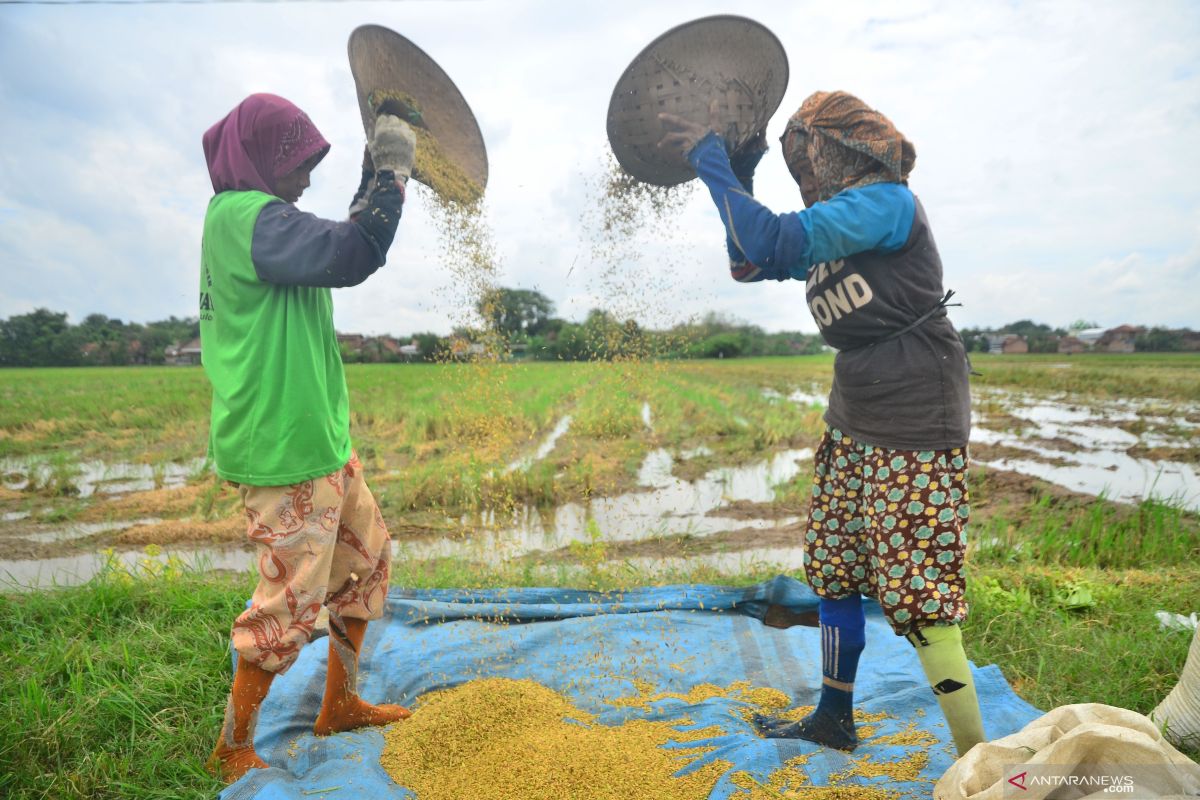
{"points": [[1041, 338], [525, 319], [522, 320], [45, 338]]}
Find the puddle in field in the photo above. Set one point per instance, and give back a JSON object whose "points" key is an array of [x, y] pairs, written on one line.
{"points": [[1080, 446], [667, 506], [77, 569], [86, 478], [544, 448], [81, 530], [811, 396], [1083, 447]]}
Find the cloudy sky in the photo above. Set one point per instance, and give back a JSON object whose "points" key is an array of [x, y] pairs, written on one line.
{"points": [[1057, 142]]}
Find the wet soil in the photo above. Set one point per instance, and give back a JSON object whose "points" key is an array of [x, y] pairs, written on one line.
{"points": [[683, 546], [744, 509], [994, 488], [1000, 421], [177, 531], [1182, 455], [996, 452], [998, 492], [1055, 443], [676, 505], [177, 502], [994, 493]]}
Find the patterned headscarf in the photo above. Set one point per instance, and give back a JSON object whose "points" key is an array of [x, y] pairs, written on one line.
{"points": [[847, 142], [264, 138]]}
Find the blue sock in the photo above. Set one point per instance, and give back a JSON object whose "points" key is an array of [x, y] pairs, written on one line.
{"points": [[843, 636], [831, 724]]}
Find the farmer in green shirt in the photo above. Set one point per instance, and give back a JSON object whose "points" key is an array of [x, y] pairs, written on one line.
{"points": [[280, 427]]}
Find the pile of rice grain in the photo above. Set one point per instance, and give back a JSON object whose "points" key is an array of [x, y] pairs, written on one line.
{"points": [[502, 739]]}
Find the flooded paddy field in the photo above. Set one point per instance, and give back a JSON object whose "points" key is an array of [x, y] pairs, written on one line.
{"points": [[641, 467]]}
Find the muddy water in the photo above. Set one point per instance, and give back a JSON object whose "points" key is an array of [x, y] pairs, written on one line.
{"points": [[1077, 442], [666, 505], [79, 530], [1080, 444], [544, 448], [86, 478], [78, 569]]}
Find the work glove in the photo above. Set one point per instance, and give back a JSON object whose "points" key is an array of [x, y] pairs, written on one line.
{"points": [[393, 146], [365, 184]]}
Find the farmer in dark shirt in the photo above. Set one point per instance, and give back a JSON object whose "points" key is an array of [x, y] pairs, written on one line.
{"points": [[889, 498]]}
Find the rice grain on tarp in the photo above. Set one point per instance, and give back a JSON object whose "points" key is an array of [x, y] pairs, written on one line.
{"points": [[503, 739]]}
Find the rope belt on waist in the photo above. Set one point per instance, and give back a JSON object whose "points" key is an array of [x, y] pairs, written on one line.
{"points": [[943, 303]]}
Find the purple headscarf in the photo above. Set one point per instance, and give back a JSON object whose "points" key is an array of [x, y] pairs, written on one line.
{"points": [[264, 138]]}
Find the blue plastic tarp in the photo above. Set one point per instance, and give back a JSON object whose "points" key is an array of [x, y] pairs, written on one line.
{"points": [[591, 646]]}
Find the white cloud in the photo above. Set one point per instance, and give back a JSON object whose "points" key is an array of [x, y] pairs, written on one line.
{"points": [[1055, 142]]}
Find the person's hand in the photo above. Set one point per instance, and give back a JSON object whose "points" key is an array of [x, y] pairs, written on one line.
{"points": [[683, 134], [394, 146]]}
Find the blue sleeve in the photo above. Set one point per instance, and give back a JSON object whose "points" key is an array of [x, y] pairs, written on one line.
{"points": [[751, 228], [778, 246], [876, 217]]}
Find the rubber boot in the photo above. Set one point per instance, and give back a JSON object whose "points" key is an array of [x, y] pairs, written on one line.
{"points": [[234, 754], [342, 709], [945, 663], [1179, 714]]}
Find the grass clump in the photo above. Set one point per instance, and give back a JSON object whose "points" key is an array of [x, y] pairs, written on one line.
{"points": [[115, 689]]}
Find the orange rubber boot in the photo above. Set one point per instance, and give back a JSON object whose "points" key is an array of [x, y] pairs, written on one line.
{"points": [[342, 709], [234, 754]]}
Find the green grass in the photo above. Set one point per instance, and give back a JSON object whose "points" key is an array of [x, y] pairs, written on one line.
{"points": [[116, 689], [1078, 635], [1167, 376], [141, 413], [1051, 527]]}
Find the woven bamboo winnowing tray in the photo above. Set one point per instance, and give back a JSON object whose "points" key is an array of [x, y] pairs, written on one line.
{"points": [[733, 59], [382, 60]]}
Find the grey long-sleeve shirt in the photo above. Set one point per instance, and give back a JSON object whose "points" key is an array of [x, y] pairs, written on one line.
{"points": [[295, 248]]}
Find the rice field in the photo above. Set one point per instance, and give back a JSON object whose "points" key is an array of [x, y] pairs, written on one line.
{"points": [[641, 459]]}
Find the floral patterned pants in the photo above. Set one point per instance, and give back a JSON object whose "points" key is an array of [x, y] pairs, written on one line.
{"points": [[320, 542], [890, 524]]}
